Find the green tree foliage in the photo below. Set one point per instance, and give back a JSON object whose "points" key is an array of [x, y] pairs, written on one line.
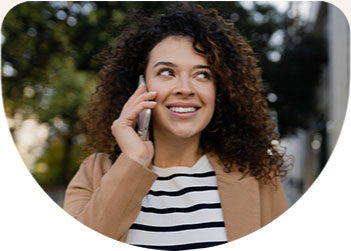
{"points": [[51, 48]]}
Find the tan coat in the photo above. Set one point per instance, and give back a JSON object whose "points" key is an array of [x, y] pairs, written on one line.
{"points": [[107, 197]]}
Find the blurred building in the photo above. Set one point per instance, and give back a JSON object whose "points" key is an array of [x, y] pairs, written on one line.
{"points": [[313, 148]]}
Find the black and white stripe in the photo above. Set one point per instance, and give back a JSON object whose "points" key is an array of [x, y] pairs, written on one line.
{"points": [[181, 211], [199, 175], [190, 246]]}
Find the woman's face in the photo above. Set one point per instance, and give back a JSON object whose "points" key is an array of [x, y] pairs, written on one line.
{"points": [[185, 88]]}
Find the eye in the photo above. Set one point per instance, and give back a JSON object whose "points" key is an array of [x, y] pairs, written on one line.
{"points": [[204, 75], [165, 72]]}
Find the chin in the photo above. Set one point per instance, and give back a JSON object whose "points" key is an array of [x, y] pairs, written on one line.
{"points": [[180, 130], [185, 133]]}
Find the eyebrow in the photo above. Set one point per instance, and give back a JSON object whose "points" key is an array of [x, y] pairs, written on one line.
{"points": [[165, 63], [174, 65]]}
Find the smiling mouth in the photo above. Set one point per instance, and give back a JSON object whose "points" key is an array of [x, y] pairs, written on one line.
{"points": [[183, 109]]}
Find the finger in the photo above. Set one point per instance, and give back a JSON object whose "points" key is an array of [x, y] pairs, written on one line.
{"points": [[140, 107], [140, 90], [131, 113], [147, 96]]}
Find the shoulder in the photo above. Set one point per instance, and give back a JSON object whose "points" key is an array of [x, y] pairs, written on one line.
{"points": [[92, 169], [270, 192], [97, 161], [221, 172], [99, 165], [273, 200]]}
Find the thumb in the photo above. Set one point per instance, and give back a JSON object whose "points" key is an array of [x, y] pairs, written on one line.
{"points": [[149, 144]]}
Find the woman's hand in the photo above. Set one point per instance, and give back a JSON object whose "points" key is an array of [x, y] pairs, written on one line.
{"points": [[123, 128]]}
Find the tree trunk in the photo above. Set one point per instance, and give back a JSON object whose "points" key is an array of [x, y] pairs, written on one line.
{"points": [[66, 158]]}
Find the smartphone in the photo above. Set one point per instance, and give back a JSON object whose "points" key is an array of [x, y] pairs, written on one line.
{"points": [[143, 117]]}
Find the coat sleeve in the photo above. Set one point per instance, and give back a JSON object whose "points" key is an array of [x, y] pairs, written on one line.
{"points": [[108, 202], [273, 201]]}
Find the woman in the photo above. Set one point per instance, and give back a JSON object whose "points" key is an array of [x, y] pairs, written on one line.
{"points": [[209, 172]]}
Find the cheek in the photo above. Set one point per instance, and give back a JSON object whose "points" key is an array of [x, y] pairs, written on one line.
{"points": [[209, 97], [212, 103], [161, 92]]}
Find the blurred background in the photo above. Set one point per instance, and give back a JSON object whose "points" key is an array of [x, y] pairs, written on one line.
{"points": [[49, 70]]}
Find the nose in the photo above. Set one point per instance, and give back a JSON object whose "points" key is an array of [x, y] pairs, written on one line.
{"points": [[184, 87]]}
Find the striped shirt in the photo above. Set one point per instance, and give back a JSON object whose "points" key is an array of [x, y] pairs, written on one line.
{"points": [[182, 210]]}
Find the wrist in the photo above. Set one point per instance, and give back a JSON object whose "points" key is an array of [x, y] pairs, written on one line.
{"points": [[140, 159]]}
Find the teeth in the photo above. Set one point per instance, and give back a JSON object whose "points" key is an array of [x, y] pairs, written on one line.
{"points": [[182, 109]]}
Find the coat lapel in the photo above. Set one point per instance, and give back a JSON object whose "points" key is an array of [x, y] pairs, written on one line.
{"points": [[240, 200]]}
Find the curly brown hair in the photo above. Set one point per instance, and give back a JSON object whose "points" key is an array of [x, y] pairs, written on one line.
{"points": [[240, 131]]}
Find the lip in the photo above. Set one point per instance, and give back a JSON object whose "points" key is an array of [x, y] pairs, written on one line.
{"points": [[186, 115], [183, 104]]}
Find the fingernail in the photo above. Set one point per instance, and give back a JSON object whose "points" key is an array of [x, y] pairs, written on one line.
{"points": [[153, 92]]}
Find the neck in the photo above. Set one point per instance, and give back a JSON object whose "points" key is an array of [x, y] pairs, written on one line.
{"points": [[176, 151]]}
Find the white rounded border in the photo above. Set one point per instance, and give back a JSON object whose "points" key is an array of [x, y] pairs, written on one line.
{"points": [[30, 220]]}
